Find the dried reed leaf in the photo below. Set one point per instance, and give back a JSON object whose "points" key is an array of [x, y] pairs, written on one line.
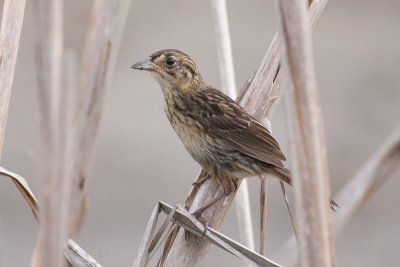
{"points": [[78, 257], [157, 237], [183, 218], [24, 189], [238, 249], [144, 254]]}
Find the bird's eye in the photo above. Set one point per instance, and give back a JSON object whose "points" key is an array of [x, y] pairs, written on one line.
{"points": [[170, 61]]}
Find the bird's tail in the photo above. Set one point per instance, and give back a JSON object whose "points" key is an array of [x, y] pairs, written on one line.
{"points": [[284, 175]]}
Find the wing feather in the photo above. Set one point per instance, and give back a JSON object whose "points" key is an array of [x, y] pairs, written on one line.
{"points": [[227, 121]]}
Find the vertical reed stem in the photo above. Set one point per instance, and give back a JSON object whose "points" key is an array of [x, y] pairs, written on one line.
{"points": [[307, 145]]}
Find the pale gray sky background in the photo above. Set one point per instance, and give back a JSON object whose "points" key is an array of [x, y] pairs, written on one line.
{"points": [[139, 160]]}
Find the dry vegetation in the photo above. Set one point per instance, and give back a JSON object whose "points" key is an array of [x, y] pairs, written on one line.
{"points": [[68, 132]]}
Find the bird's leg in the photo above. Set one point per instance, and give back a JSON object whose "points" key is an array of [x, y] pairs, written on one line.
{"points": [[229, 185]]}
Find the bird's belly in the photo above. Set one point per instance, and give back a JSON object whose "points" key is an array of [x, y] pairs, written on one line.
{"points": [[216, 160], [196, 143]]}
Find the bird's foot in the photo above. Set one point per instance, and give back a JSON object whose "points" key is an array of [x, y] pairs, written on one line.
{"points": [[197, 214]]}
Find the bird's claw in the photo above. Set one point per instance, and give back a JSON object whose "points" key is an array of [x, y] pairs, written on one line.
{"points": [[334, 205]]}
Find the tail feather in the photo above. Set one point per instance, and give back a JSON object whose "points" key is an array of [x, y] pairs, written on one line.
{"points": [[284, 175]]}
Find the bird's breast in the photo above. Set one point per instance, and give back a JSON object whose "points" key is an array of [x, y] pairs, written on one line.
{"points": [[210, 152], [192, 134]]}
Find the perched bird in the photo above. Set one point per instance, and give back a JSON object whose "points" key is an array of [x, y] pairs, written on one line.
{"points": [[218, 133]]}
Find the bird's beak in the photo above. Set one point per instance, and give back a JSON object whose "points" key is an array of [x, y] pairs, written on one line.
{"points": [[144, 65]]}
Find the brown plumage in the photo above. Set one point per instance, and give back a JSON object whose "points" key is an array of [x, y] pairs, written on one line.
{"points": [[218, 133]]}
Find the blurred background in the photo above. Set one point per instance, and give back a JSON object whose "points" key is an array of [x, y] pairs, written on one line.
{"points": [[140, 161]]}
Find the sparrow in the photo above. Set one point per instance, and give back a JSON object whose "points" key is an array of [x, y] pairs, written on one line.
{"points": [[218, 133]]}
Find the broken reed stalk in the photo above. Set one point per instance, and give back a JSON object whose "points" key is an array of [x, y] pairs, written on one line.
{"points": [[11, 25], [107, 21], [259, 99], [48, 17], [228, 85], [381, 166], [307, 146]]}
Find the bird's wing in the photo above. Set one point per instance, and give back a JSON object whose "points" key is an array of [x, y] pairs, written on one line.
{"points": [[226, 120]]}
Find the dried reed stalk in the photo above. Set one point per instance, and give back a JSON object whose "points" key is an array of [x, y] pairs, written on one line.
{"points": [[259, 99], [307, 146], [105, 30], [49, 52], [78, 257], [11, 24], [228, 84], [67, 104], [382, 165]]}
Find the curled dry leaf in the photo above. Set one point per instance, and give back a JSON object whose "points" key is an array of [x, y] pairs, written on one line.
{"points": [[24, 189]]}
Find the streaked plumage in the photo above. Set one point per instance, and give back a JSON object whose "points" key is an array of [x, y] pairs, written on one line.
{"points": [[218, 133], [227, 142]]}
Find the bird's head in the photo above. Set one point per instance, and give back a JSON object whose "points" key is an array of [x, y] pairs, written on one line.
{"points": [[172, 69]]}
